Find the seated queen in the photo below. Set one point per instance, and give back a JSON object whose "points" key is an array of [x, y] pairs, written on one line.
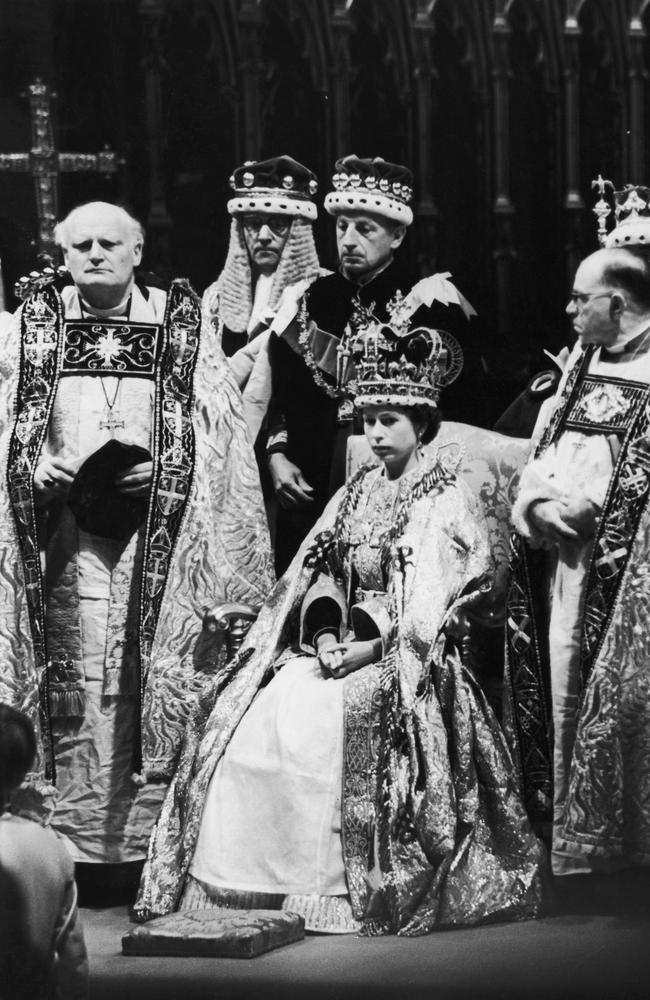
{"points": [[347, 766]]}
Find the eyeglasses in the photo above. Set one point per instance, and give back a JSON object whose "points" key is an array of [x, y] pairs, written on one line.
{"points": [[580, 299], [278, 224]]}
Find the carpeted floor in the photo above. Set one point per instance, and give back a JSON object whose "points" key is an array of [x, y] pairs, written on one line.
{"points": [[601, 953]]}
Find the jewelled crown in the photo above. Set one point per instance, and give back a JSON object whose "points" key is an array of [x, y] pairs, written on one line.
{"points": [[372, 186], [396, 364], [631, 212], [279, 186]]}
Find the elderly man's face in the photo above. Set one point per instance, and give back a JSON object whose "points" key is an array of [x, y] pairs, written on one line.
{"points": [[365, 242], [589, 304], [265, 237], [101, 253]]}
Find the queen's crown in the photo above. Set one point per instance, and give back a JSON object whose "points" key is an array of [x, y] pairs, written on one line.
{"points": [[394, 363]]}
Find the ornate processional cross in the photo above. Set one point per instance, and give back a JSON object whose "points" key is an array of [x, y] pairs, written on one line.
{"points": [[45, 163]]}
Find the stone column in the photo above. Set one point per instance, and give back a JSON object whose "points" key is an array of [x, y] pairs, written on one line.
{"points": [[159, 223], [340, 77], [635, 167], [573, 203], [249, 68], [425, 210], [503, 208]]}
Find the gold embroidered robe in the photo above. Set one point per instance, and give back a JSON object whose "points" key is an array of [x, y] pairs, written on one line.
{"points": [[142, 670], [433, 830]]}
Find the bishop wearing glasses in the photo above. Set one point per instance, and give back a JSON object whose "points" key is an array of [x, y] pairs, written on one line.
{"points": [[578, 609]]}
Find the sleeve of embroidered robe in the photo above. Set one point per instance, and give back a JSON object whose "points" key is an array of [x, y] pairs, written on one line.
{"points": [[324, 609]]}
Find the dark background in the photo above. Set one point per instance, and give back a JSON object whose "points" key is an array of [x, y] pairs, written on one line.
{"points": [[505, 109]]}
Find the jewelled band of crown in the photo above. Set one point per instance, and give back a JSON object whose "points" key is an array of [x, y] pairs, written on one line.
{"points": [[353, 182], [93, 348], [393, 362], [269, 192]]}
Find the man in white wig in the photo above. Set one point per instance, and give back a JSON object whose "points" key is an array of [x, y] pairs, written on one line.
{"points": [[271, 248]]}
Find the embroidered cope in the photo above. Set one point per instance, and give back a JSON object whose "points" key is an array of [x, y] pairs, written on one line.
{"points": [[106, 661], [576, 665]]}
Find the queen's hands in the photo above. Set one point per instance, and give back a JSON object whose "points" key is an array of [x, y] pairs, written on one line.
{"points": [[341, 658]]}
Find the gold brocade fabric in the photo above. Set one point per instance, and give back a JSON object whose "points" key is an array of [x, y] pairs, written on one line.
{"points": [[433, 830], [607, 810], [222, 553], [368, 525]]}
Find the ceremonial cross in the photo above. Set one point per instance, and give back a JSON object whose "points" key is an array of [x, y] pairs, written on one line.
{"points": [[181, 346], [172, 491], [112, 422], [42, 345], [45, 163], [156, 574], [601, 209]]}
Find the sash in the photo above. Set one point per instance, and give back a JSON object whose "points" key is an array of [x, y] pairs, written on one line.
{"points": [[44, 339], [588, 403]]}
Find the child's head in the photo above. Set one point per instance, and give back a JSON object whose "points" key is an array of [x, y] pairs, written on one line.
{"points": [[17, 749]]}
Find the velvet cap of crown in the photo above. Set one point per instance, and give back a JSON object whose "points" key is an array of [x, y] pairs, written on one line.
{"points": [[278, 186], [371, 185], [396, 365]]}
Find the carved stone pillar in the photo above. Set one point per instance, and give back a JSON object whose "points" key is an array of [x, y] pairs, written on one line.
{"points": [[503, 208], [340, 76], [249, 70], [426, 211], [635, 167], [573, 202], [159, 223]]}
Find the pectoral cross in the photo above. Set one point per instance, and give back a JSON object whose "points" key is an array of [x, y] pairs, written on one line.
{"points": [[112, 422], [45, 163]]}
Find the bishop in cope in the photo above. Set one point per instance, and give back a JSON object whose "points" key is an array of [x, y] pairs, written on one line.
{"points": [[124, 448]]}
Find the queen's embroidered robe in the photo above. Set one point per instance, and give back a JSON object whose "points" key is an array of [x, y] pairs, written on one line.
{"points": [[433, 831]]}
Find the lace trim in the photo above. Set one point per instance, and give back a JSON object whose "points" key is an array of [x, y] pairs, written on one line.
{"points": [[198, 895], [328, 914]]}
